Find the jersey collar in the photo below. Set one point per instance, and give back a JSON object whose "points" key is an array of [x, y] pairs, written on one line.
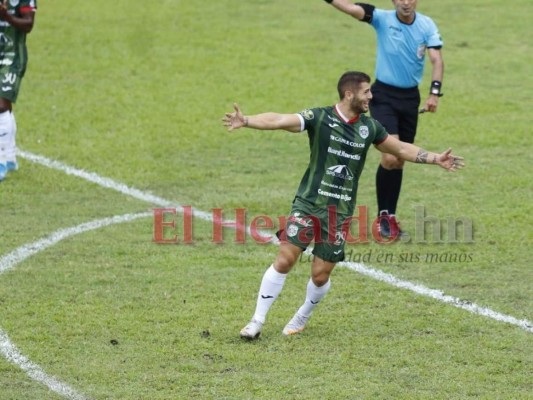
{"points": [[405, 23], [343, 117]]}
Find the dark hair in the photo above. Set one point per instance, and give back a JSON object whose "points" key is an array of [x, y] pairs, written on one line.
{"points": [[350, 81]]}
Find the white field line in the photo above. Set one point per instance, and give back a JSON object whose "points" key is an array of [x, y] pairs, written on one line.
{"points": [[437, 295], [10, 260], [361, 268], [35, 372], [107, 183]]}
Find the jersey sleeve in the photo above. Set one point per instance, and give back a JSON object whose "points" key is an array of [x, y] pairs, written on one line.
{"points": [[434, 39], [377, 17], [308, 116], [302, 122], [28, 5], [381, 134]]}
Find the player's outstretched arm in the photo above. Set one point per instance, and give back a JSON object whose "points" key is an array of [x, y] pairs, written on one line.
{"points": [[265, 121], [412, 153], [348, 7]]}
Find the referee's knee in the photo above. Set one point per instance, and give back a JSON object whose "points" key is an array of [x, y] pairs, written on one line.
{"points": [[391, 162]]}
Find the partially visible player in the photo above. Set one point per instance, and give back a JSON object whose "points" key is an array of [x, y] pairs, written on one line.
{"points": [[16, 21], [404, 36], [339, 138]]}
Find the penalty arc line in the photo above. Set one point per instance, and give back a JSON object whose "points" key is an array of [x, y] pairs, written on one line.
{"points": [[360, 268], [10, 260]]}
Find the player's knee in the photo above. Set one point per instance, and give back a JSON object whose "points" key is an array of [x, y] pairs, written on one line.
{"points": [[320, 278], [5, 105], [284, 262]]}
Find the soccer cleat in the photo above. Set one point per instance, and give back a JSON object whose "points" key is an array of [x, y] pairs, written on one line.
{"points": [[252, 330], [12, 166], [389, 227], [395, 229], [3, 172], [295, 325]]}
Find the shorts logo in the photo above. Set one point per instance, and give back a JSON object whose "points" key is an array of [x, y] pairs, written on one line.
{"points": [[307, 114], [292, 230], [363, 131]]}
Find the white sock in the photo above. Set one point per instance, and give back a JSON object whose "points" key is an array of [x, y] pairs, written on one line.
{"points": [[6, 124], [271, 286], [313, 297], [12, 146]]}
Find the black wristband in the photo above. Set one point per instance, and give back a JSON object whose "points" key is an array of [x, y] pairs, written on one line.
{"points": [[329, 1], [435, 88]]}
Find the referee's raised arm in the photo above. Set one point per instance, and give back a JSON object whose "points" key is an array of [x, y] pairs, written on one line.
{"points": [[360, 11]]}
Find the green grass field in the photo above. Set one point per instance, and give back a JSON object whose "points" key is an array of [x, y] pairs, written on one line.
{"points": [[135, 91]]}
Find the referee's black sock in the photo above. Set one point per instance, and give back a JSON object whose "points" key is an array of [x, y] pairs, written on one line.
{"points": [[395, 181], [388, 186]]}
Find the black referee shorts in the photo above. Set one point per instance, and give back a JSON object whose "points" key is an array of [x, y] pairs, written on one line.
{"points": [[396, 109]]}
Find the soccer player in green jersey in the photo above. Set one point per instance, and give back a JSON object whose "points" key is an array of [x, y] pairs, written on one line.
{"points": [[339, 139], [16, 21]]}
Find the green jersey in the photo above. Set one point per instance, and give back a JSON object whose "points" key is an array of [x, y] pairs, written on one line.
{"points": [[13, 51], [338, 152]]}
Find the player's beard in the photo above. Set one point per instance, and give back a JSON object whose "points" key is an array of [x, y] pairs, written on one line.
{"points": [[358, 106]]}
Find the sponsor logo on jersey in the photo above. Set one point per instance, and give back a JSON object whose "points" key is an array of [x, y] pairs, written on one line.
{"points": [[333, 125], [340, 171], [331, 185], [5, 40], [307, 114], [334, 195], [363, 131], [342, 153], [344, 141]]}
